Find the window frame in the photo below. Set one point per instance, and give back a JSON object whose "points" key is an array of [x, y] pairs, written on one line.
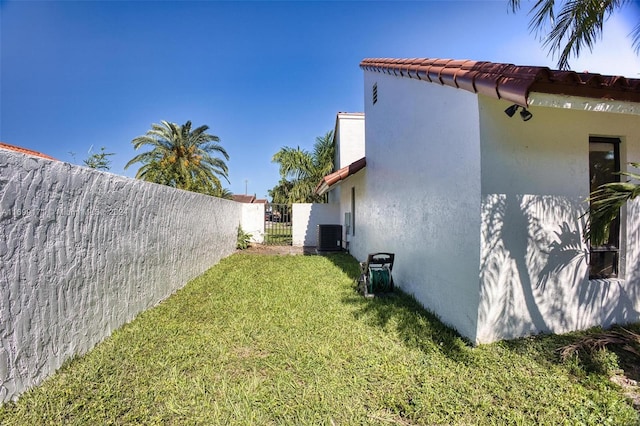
{"points": [[599, 252], [353, 210]]}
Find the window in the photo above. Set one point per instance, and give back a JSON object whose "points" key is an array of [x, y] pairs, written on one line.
{"points": [[375, 93], [353, 210], [604, 164]]}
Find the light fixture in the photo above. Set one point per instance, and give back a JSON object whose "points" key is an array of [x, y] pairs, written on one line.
{"points": [[511, 110], [524, 114]]}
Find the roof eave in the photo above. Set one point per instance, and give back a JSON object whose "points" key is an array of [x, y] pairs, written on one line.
{"points": [[513, 83], [331, 180]]}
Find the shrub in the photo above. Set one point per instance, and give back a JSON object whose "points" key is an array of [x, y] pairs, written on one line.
{"points": [[243, 239]]}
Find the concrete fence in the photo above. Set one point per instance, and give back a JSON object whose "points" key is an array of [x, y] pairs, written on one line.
{"points": [[307, 217], [82, 252], [253, 221]]}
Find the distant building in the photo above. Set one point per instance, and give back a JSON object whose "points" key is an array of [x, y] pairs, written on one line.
{"points": [[24, 151], [249, 199]]}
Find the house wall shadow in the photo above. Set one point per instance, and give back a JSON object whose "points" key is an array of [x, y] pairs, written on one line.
{"points": [[402, 315]]}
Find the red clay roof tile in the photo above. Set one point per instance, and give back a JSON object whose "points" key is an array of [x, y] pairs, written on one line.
{"points": [[507, 81], [241, 198], [331, 179], [25, 151]]}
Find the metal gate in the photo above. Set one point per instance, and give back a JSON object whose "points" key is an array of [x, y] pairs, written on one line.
{"points": [[277, 225]]}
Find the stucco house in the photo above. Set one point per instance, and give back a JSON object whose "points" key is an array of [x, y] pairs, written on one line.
{"points": [[22, 150], [476, 178], [249, 199]]}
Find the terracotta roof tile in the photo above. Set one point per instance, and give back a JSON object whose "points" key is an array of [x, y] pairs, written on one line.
{"points": [[507, 81], [25, 151], [331, 179], [240, 198]]}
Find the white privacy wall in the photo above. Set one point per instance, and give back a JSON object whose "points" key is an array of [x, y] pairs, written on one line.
{"points": [[307, 217], [422, 195], [83, 252], [253, 221], [535, 179]]}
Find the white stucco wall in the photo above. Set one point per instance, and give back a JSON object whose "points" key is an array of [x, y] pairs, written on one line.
{"points": [[83, 252], [349, 135], [535, 179], [350, 145], [351, 240], [307, 217], [422, 195], [252, 221]]}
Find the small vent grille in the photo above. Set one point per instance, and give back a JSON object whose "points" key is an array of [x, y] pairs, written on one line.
{"points": [[375, 93]]}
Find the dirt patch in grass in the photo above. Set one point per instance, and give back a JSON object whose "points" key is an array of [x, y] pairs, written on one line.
{"points": [[271, 250], [630, 388]]}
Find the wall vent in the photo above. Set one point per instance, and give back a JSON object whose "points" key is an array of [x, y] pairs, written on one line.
{"points": [[329, 238], [375, 93]]}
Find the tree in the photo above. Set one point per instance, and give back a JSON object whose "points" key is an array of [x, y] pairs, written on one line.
{"points": [[222, 193], [605, 204], [99, 160], [181, 158], [577, 24], [280, 193], [300, 171]]}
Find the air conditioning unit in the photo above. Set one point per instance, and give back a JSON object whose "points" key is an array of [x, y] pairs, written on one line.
{"points": [[329, 238]]}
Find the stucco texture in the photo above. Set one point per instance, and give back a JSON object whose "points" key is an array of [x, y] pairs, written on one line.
{"points": [[421, 195], [484, 211], [535, 180], [83, 252]]}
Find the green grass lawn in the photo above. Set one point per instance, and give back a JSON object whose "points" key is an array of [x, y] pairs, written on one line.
{"points": [[276, 233], [286, 340]]}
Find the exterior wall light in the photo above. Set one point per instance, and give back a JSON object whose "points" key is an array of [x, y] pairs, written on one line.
{"points": [[511, 110], [524, 114]]}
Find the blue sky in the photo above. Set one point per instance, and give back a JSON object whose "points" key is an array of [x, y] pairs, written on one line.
{"points": [[261, 75]]}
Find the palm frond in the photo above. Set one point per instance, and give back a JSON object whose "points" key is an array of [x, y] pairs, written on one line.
{"points": [[514, 5], [301, 171], [181, 157], [578, 24], [635, 38], [605, 203]]}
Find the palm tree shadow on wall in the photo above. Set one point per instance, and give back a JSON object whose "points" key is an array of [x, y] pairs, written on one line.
{"points": [[547, 265], [566, 250], [519, 229], [523, 257], [622, 308]]}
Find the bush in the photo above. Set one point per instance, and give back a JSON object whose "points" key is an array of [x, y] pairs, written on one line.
{"points": [[243, 239]]}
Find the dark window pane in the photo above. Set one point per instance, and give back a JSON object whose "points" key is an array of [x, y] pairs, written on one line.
{"points": [[604, 163]]}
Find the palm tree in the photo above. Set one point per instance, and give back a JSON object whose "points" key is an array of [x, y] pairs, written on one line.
{"points": [[301, 170], [605, 204], [181, 157], [224, 193], [280, 193], [577, 24]]}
